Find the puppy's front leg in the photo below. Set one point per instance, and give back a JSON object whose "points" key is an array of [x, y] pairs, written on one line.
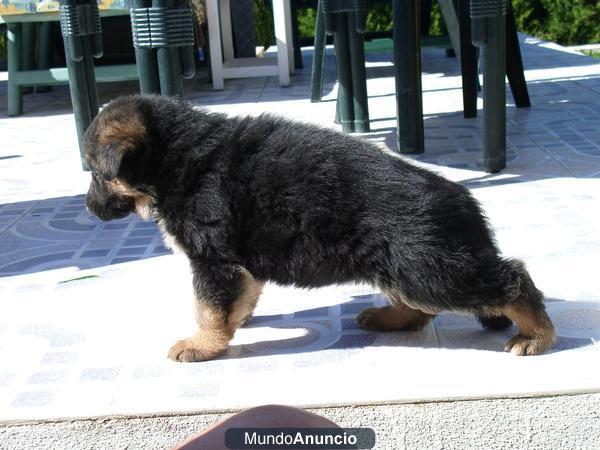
{"points": [[225, 299]]}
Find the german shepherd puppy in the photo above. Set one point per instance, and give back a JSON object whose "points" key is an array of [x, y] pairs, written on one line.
{"points": [[256, 199]]}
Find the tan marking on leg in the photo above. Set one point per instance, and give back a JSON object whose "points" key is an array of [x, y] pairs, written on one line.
{"points": [[393, 317], [244, 306], [210, 340], [215, 328], [400, 315], [536, 332]]}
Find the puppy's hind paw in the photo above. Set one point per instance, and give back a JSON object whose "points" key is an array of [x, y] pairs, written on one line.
{"points": [[521, 345], [370, 319]]}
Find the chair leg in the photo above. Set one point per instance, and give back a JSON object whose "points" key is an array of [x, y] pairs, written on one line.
{"points": [[318, 65], [90, 77], [28, 52], [169, 66], [214, 42], [79, 87], [14, 50], [514, 62], [296, 37], [468, 61], [451, 22], [145, 59], [426, 6], [281, 16], [342, 60], [359, 76], [169, 62], [407, 67], [494, 95], [44, 51]]}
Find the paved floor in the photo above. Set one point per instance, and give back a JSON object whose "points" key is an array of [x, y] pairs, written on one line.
{"points": [[89, 309]]}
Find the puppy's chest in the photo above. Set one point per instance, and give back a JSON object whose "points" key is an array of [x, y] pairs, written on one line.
{"points": [[189, 237], [170, 240]]}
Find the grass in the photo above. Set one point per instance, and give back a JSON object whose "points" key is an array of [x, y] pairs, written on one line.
{"points": [[593, 53], [85, 277]]}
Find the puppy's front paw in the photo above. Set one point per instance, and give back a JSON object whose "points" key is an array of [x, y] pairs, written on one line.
{"points": [[186, 350], [521, 345]]}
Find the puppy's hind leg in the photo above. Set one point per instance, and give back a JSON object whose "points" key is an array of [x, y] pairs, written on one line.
{"points": [[497, 323], [225, 299], [394, 317], [536, 332]]}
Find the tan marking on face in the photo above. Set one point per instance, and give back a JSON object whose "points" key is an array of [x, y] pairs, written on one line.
{"points": [[143, 201], [123, 128], [118, 131]]}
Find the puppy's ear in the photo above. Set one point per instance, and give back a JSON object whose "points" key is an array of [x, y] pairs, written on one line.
{"points": [[110, 162], [118, 135]]}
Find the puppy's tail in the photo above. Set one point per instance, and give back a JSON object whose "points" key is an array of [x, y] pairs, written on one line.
{"points": [[524, 283]]}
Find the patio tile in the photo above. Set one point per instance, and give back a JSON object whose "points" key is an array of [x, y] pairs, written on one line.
{"points": [[59, 358], [103, 374], [33, 398], [48, 377]]}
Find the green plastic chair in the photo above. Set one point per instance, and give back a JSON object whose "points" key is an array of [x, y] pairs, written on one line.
{"points": [[163, 36], [340, 18]]}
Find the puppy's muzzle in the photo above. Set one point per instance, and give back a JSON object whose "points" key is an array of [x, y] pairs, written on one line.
{"points": [[115, 207]]}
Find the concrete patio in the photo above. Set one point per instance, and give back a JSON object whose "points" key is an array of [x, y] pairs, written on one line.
{"points": [[88, 309]]}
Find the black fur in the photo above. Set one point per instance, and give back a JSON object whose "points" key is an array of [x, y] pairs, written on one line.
{"points": [[495, 323], [301, 205]]}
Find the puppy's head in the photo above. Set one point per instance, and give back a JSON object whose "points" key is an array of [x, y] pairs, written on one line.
{"points": [[116, 147]]}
